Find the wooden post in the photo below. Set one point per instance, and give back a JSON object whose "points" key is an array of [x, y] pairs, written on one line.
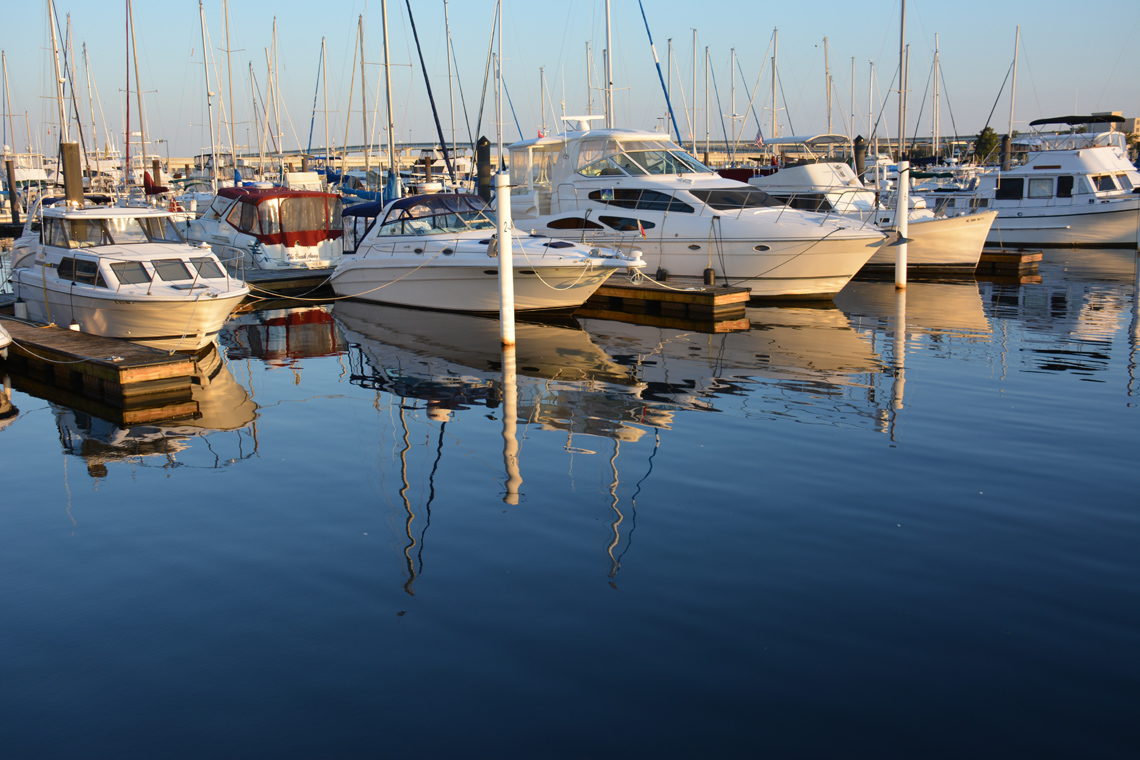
{"points": [[72, 173], [11, 170]]}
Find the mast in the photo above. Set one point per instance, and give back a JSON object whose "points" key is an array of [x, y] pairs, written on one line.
{"points": [[363, 89], [230, 84], [902, 81], [852, 96], [90, 97], [209, 100], [609, 72], [127, 125], [936, 115], [393, 172], [871, 134], [693, 123], [64, 134], [9, 128], [138, 88], [499, 82], [775, 129], [589, 80], [279, 136], [450, 83], [706, 102], [827, 83], [325, 95], [1013, 82], [542, 101], [260, 133]]}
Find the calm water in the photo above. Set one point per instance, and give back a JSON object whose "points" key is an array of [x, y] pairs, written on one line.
{"points": [[879, 529]]}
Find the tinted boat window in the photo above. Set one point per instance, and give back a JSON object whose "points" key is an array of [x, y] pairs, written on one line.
{"points": [[1065, 186], [650, 200], [732, 199], [206, 267], [130, 272], [574, 223], [1009, 188], [625, 223], [171, 269]]}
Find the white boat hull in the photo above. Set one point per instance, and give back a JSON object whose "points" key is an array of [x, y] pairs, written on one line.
{"points": [[1100, 225], [793, 268], [181, 325], [943, 243], [468, 288]]}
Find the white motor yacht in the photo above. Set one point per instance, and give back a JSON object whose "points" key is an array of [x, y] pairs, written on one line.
{"points": [[124, 272], [621, 188], [1074, 189], [438, 252], [934, 243], [274, 228]]}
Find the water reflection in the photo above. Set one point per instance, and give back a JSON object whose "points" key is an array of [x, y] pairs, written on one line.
{"points": [[218, 404], [8, 410], [280, 333], [1070, 319]]}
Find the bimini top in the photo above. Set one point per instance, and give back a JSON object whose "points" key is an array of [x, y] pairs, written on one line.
{"points": [[368, 209], [258, 195], [1075, 120], [810, 140], [437, 203]]}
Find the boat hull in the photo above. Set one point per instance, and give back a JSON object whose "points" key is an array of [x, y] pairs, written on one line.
{"points": [[944, 243], [1101, 225], [181, 325], [468, 288]]}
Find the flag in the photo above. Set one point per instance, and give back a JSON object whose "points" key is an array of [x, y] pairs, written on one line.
{"points": [[640, 228], [759, 139]]}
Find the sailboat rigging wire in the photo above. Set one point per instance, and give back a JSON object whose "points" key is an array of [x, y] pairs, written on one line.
{"points": [[720, 110], [515, 116], [922, 103], [752, 97], [660, 76], [316, 90], [784, 97], [431, 98], [998, 96], [946, 95], [486, 78]]}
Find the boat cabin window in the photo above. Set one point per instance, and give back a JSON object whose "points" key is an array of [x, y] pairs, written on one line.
{"points": [[292, 216], [574, 223], [218, 208], [626, 224], [733, 199], [648, 200], [412, 221], [206, 267], [130, 272], [1040, 187], [171, 270], [243, 217], [1104, 182], [1009, 188], [83, 271], [604, 157], [142, 229], [1125, 181], [1065, 186]]}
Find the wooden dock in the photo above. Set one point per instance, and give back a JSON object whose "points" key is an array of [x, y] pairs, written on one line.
{"points": [[1007, 262], [109, 371], [676, 298]]}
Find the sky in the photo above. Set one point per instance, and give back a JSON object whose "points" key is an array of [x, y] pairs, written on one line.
{"points": [[1069, 61]]}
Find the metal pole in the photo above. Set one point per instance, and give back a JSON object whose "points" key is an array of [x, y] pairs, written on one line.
{"points": [[1013, 82], [504, 227], [609, 72], [902, 213], [209, 101]]}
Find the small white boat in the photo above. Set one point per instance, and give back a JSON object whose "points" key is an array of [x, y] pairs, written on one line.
{"points": [[275, 228], [5, 341], [124, 272], [438, 252]]}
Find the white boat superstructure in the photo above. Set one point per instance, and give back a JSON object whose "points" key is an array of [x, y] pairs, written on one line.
{"points": [[438, 252], [274, 228], [935, 243], [124, 272], [622, 188], [1074, 189]]}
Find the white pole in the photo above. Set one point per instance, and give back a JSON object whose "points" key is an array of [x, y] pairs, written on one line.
{"points": [[503, 229], [510, 426], [902, 209], [774, 129], [693, 131]]}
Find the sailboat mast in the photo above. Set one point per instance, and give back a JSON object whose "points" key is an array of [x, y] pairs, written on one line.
{"points": [[902, 81], [138, 92], [230, 84], [325, 96], [609, 71], [64, 134], [387, 89], [9, 128], [209, 99], [706, 103], [936, 110], [827, 83], [450, 83], [589, 80], [90, 98], [1013, 82], [542, 100], [774, 131], [693, 123], [363, 103]]}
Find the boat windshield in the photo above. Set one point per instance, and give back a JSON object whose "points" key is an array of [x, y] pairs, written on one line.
{"points": [[735, 199], [408, 222], [636, 158], [119, 230]]}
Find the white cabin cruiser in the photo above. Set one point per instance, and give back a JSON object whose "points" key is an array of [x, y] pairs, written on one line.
{"points": [[1074, 189], [621, 188], [124, 272], [437, 252], [275, 228], [934, 243]]}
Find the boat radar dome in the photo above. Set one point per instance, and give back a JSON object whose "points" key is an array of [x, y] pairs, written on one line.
{"points": [[580, 123]]}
